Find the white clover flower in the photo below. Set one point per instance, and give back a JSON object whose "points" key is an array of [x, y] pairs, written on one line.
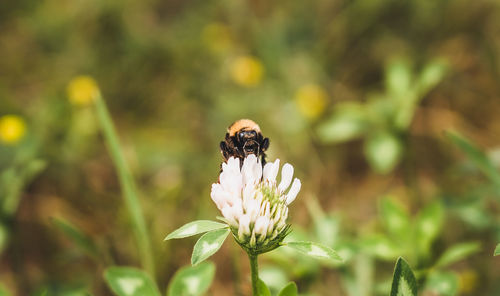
{"points": [[253, 203]]}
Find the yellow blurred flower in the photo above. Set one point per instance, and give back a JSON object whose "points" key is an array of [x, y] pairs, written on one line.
{"points": [[82, 90], [217, 37], [12, 129], [247, 71], [311, 100], [467, 280]]}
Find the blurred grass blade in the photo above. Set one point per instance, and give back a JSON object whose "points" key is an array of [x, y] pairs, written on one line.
{"points": [[403, 281], [289, 290], [364, 269], [127, 186], [76, 236], [314, 250], [457, 253], [128, 281], [477, 156], [194, 228], [192, 280], [208, 244], [4, 237], [497, 250]]}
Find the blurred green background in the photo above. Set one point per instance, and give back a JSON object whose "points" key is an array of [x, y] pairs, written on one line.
{"points": [[387, 109]]}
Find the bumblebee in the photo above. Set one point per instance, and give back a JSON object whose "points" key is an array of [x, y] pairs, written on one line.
{"points": [[243, 138]]}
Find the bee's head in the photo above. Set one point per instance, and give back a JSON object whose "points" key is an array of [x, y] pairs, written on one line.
{"points": [[249, 140], [247, 134]]}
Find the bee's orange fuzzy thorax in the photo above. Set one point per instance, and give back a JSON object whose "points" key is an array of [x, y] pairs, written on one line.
{"points": [[242, 124]]}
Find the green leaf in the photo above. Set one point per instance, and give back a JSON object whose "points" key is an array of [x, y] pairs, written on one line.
{"points": [[327, 230], [383, 151], [429, 223], [289, 290], [442, 283], [13, 180], [76, 235], [497, 250], [360, 282], [477, 156], [129, 281], [395, 217], [474, 213], [192, 280], [381, 109], [194, 228], [262, 289], [4, 291], [457, 253], [347, 123], [208, 244], [381, 247], [398, 77], [431, 75], [326, 227], [403, 281], [274, 276], [404, 116], [314, 250]]}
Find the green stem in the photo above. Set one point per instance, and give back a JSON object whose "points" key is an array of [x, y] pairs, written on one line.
{"points": [[127, 185], [236, 269], [255, 274]]}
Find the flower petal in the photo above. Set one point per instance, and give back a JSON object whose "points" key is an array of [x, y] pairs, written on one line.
{"points": [[271, 171], [231, 182], [286, 177], [249, 192], [233, 164], [231, 214], [244, 227], [218, 195], [252, 207], [248, 162], [261, 225], [294, 190], [251, 170]]}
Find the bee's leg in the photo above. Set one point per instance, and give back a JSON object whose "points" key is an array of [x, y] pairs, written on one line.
{"points": [[263, 148], [265, 144], [224, 150]]}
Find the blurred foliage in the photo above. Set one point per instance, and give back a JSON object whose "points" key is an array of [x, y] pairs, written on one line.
{"points": [[356, 94], [127, 281], [192, 280]]}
